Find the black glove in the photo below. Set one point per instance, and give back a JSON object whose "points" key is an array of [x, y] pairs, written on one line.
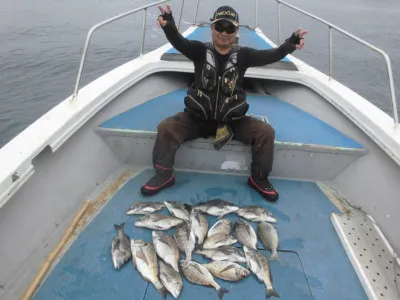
{"points": [[167, 17], [294, 39]]}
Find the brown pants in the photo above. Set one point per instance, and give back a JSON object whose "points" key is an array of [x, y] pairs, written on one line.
{"points": [[173, 131]]}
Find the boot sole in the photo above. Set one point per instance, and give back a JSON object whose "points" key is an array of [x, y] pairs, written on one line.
{"points": [[265, 196], [146, 192]]}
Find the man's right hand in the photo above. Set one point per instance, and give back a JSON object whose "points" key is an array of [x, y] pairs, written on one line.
{"points": [[165, 16]]}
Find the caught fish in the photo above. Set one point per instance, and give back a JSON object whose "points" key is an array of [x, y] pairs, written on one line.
{"points": [[158, 222], [228, 253], [258, 264], [171, 279], [256, 214], [217, 207], [120, 247], [199, 225], [223, 225], [198, 274], [218, 240], [245, 234], [166, 248], [269, 238], [185, 238], [145, 260], [144, 208], [227, 270], [177, 209]]}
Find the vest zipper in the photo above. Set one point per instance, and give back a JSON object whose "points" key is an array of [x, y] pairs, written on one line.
{"points": [[216, 100], [202, 108], [233, 109]]}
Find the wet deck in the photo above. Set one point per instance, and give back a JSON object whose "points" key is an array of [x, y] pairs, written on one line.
{"points": [[316, 266]]}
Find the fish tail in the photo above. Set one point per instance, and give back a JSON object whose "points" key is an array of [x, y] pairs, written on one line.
{"points": [[221, 291], [120, 226], [274, 256], [161, 289], [188, 207], [271, 292]]}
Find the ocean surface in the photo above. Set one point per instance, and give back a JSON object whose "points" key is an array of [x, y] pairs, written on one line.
{"points": [[41, 44]]}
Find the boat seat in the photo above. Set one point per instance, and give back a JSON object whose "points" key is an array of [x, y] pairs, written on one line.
{"points": [[305, 146], [247, 37]]}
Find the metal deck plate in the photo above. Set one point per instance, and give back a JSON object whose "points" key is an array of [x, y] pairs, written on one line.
{"points": [[371, 255]]}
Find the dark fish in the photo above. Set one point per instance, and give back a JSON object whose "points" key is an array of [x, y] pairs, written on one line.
{"points": [[177, 209], [227, 270], [218, 240], [158, 222], [223, 225], [217, 207], [185, 238], [171, 279], [199, 224], [228, 253], [120, 247], [166, 248], [245, 234], [198, 274], [269, 238], [256, 214]]}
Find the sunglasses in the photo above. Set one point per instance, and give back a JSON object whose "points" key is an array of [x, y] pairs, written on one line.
{"points": [[228, 27]]}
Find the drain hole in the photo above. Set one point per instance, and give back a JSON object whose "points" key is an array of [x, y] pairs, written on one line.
{"points": [[358, 238], [370, 260], [370, 229], [366, 233], [387, 268], [353, 228], [355, 244], [378, 274], [365, 249], [373, 279], [383, 250], [373, 244], [381, 294], [390, 261], [360, 254], [366, 267], [376, 239], [349, 233], [385, 287], [380, 255]]}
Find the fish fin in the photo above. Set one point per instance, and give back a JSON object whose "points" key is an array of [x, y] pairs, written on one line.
{"points": [[272, 292], [142, 256], [116, 243], [120, 226], [228, 268], [221, 291], [270, 275], [161, 289]]}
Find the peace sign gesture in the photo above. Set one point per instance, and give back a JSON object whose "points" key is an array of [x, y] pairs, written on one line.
{"points": [[164, 16], [300, 33]]}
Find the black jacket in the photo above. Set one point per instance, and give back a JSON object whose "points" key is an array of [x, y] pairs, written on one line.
{"points": [[217, 93]]}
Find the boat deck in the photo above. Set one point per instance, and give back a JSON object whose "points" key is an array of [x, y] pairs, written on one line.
{"points": [[313, 263]]}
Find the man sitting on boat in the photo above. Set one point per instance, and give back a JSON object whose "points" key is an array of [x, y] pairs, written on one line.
{"points": [[216, 102]]}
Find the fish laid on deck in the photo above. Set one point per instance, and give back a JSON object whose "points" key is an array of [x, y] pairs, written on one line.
{"points": [[227, 270], [218, 240], [269, 238], [177, 209], [199, 225], [158, 222], [223, 225], [120, 247], [258, 264], [166, 248], [144, 208], [217, 207], [228, 253], [256, 214], [171, 279], [245, 234], [145, 260], [198, 274], [185, 239]]}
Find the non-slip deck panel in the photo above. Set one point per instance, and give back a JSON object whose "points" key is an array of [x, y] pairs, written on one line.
{"points": [[247, 38], [291, 124], [304, 226]]}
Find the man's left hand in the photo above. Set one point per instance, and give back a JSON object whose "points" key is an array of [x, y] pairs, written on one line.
{"points": [[300, 33]]}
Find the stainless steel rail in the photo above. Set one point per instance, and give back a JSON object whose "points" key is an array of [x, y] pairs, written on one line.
{"points": [[331, 27], [98, 25]]}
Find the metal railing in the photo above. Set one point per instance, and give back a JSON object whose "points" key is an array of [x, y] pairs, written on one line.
{"points": [[331, 27], [98, 25]]}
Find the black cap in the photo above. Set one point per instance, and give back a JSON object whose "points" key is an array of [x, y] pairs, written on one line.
{"points": [[226, 13]]}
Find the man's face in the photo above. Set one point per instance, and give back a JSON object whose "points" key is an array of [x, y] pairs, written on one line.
{"points": [[223, 33]]}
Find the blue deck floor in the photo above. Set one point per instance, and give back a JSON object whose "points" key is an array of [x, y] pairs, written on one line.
{"points": [[248, 38], [291, 124], [86, 271]]}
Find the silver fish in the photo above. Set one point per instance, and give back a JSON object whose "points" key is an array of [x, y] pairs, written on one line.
{"points": [[198, 274], [185, 238], [144, 208], [145, 260], [217, 207], [158, 222], [199, 224], [223, 225], [171, 279], [120, 247], [269, 238], [166, 248], [245, 234], [227, 270], [256, 214], [228, 253], [218, 240], [258, 264], [177, 209]]}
